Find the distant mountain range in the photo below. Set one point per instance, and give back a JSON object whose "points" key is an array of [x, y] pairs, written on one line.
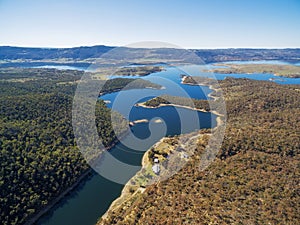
{"points": [[12, 53], [208, 55]]}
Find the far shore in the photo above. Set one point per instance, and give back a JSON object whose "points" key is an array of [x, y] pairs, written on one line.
{"points": [[210, 86], [124, 89], [289, 71]]}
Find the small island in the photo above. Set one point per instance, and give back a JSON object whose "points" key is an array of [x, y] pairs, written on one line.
{"points": [[289, 71], [132, 123], [138, 70]]}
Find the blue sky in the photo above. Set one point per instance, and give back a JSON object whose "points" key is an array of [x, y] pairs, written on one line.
{"points": [[187, 23]]}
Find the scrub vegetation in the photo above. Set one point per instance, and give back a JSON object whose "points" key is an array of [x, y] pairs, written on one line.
{"points": [[253, 180]]}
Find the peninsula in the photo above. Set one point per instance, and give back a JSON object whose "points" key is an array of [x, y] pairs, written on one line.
{"points": [[167, 100]]}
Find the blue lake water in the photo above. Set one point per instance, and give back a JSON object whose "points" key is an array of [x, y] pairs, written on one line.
{"points": [[196, 70], [92, 198], [61, 67], [52, 65]]}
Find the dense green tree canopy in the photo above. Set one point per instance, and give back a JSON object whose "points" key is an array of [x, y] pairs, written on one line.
{"points": [[39, 158]]}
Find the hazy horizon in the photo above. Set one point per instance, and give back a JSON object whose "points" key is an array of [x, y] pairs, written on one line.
{"points": [[89, 46]]}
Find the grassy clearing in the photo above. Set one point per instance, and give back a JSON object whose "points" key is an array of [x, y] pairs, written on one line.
{"points": [[278, 70]]}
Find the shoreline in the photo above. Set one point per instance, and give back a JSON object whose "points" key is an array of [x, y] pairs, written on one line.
{"points": [[123, 198], [175, 105], [125, 193], [57, 199], [82, 178]]}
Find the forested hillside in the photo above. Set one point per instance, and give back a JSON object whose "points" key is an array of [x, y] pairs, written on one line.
{"points": [[11, 53], [38, 155], [253, 180]]}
